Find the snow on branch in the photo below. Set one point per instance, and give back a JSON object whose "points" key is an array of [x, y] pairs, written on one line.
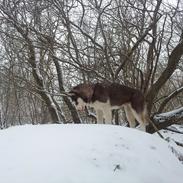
{"points": [[175, 114], [164, 120]]}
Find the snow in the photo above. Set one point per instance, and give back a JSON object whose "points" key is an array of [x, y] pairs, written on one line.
{"points": [[85, 154], [172, 137]]}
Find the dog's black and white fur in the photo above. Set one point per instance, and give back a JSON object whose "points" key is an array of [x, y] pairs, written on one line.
{"points": [[103, 98]]}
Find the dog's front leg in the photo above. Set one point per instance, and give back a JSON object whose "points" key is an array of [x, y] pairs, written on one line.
{"points": [[108, 116], [99, 114]]}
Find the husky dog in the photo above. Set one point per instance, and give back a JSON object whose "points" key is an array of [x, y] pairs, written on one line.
{"points": [[105, 97]]}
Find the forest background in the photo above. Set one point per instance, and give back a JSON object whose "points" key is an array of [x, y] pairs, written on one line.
{"points": [[48, 46]]}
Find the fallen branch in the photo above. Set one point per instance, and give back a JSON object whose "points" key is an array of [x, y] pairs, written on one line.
{"points": [[165, 120]]}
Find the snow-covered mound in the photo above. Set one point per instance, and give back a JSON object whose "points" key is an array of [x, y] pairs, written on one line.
{"points": [[85, 154]]}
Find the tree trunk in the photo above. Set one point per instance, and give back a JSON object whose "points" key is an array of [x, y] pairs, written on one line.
{"points": [[173, 61], [54, 113], [72, 109]]}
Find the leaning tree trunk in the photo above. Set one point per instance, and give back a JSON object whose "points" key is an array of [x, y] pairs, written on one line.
{"points": [[72, 109], [173, 61], [54, 113], [74, 113]]}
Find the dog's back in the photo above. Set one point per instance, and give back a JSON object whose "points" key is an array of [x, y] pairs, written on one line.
{"points": [[118, 95]]}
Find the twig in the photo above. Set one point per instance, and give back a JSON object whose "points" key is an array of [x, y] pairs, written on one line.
{"points": [[156, 129], [176, 131]]}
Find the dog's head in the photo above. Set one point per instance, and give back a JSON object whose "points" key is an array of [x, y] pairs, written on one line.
{"points": [[81, 95]]}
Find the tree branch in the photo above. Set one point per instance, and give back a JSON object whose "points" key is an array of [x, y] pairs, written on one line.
{"points": [[164, 120], [168, 98]]}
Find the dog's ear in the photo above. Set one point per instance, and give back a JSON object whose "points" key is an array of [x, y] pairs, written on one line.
{"points": [[85, 91]]}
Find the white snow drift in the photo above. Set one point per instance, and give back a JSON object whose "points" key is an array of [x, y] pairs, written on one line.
{"points": [[85, 154]]}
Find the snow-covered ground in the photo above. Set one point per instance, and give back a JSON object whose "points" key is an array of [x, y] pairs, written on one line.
{"points": [[85, 154], [173, 137]]}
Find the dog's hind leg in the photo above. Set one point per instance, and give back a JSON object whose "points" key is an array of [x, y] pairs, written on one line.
{"points": [[139, 110], [129, 115], [142, 119]]}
